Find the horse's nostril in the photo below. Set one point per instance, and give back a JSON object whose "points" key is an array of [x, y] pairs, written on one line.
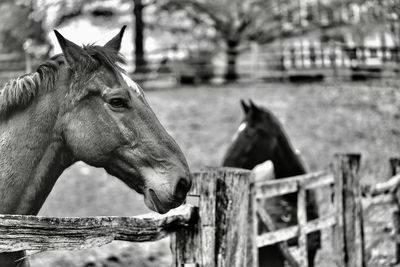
{"points": [[181, 189]]}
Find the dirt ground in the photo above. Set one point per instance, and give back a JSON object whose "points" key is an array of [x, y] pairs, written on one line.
{"points": [[320, 118]]}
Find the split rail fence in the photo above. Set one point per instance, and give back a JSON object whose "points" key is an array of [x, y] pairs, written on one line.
{"points": [[219, 227]]}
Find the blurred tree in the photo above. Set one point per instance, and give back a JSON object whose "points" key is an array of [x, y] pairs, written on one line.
{"points": [[392, 12], [18, 25], [140, 60], [71, 9], [234, 21], [264, 21], [139, 39]]}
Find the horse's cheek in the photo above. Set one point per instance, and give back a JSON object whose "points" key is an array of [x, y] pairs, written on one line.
{"points": [[89, 142]]}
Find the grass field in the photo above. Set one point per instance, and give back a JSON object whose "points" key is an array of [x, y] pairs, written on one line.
{"points": [[320, 118]]}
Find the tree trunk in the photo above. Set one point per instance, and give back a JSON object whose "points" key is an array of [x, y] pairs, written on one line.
{"points": [[231, 54], [140, 60]]}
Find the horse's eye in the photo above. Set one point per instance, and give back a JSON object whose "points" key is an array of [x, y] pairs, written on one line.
{"points": [[118, 102]]}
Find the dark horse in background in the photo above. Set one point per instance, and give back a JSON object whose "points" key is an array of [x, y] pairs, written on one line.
{"points": [[261, 137], [80, 105]]}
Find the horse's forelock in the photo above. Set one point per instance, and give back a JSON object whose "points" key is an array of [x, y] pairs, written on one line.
{"points": [[106, 57]]}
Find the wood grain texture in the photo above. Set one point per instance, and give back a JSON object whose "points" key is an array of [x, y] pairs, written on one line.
{"points": [[196, 245], [396, 230], [224, 235], [252, 248], [387, 187], [20, 232], [290, 232], [348, 231], [232, 227], [278, 187], [385, 199], [302, 222], [266, 219], [395, 171]]}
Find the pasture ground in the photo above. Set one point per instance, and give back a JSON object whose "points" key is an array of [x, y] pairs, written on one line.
{"points": [[320, 118]]}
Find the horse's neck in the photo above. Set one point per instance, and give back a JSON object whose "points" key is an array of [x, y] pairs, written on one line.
{"points": [[286, 162], [31, 157]]}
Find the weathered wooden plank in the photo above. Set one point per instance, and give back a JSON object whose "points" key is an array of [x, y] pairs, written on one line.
{"points": [[224, 234], [321, 223], [252, 222], [277, 236], [273, 188], [293, 231], [232, 227], [386, 187], [324, 179], [395, 170], [20, 232], [196, 245], [266, 219], [302, 222], [396, 234], [378, 200], [348, 231], [338, 230]]}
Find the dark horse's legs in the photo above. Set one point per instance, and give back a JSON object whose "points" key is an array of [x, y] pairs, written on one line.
{"points": [[311, 257], [13, 259], [314, 243], [271, 256]]}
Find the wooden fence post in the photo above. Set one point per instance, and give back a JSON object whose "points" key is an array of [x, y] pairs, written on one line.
{"points": [[395, 169], [226, 228], [302, 221], [348, 231], [235, 227], [195, 246], [252, 221]]}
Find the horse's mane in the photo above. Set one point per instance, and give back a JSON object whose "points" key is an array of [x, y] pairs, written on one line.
{"points": [[272, 120], [283, 139], [19, 92]]}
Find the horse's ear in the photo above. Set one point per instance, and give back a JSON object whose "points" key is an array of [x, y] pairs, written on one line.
{"points": [[73, 53], [245, 107], [115, 42], [252, 105]]}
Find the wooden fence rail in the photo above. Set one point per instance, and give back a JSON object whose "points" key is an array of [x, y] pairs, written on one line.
{"points": [[18, 232], [220, 228], [346, 218], [387, 193]]}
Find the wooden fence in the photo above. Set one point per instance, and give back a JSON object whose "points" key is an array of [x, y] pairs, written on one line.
{"points": [[219, 227]]}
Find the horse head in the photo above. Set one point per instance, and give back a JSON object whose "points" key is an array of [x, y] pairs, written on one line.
{"points": [[256, 139], [261, 137], [105, 121]]}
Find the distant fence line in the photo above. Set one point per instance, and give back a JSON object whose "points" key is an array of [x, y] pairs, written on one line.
{"points": [[219, 227], [340, 56], [286, 62], [316, 60]]}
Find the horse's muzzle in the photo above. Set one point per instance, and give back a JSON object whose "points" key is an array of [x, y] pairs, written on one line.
{"points": [[162, 201]]}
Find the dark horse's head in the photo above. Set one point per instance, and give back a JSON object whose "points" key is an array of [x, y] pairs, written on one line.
{"points": [[106, 122], [260, 137]]}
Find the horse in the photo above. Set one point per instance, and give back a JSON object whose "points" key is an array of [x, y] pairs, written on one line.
{"points": [[261, 138], [80, 105]]}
